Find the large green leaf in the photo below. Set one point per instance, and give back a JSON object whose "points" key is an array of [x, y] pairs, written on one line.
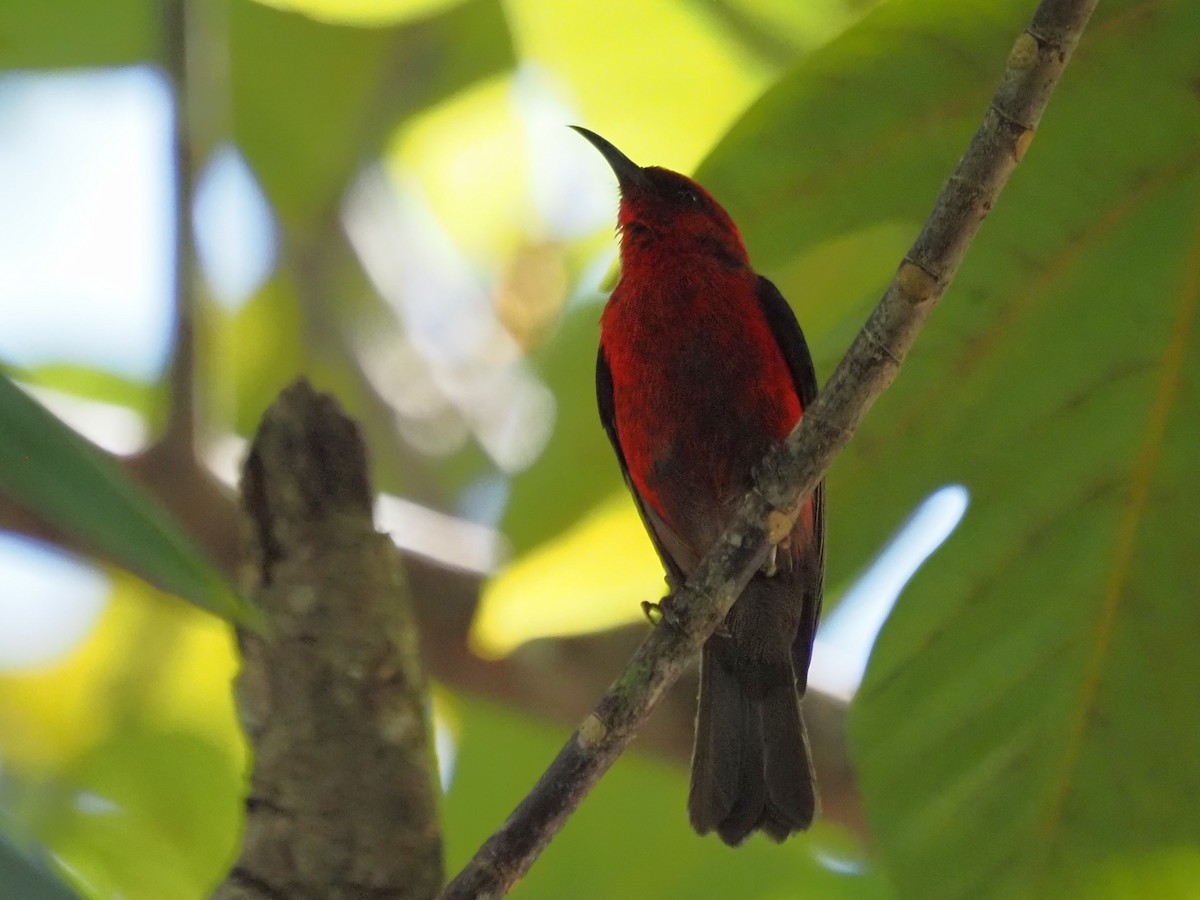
{"points": [[1027, 724], [630, 838], [313, 101], [50, 469]]}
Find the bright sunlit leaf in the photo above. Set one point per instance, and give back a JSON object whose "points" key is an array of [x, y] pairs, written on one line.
{"points": [[593, 576], [467, 158], [180, 680], [363, 12]]}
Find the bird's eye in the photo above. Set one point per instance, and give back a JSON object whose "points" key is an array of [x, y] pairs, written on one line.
{"points": [[689, 196]]}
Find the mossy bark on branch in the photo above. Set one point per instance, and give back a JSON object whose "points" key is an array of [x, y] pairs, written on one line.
{"points": [[342, 798]]}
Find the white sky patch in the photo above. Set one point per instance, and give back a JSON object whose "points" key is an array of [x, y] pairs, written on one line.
{"points": [[839, 862], [446, 748], [86, 226], [49, 602], [572, 187], [443, 538], [92, 804], [235, 231], [844, 642]]}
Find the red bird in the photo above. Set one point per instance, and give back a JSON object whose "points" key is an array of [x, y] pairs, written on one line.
{"points": [[702, 368]]}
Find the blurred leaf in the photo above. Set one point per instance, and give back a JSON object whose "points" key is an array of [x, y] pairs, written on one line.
{"points": [[35, 34], [149, 657], [604, 561], [1024, 715], [22, 878], [631, 836], [664, 79], [90, 384], [1170, 875], [469, 153], [255, 352], [158, 817], [771, 27], [363, 12], [47, 467], [313, 101], [125, 759], [554, 494]]}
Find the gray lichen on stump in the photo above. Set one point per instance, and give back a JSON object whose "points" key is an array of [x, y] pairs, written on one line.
{"points": [[342, 799]]}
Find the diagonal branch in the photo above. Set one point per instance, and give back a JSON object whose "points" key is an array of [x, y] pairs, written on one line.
{"points": [[790, 473]]}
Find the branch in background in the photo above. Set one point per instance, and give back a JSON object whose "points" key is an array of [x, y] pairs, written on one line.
{"points": [[1034, 66], [169, 466], [554, 679], [333, 700], [179, 435]]}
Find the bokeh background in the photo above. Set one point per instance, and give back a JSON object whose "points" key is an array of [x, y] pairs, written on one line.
{"points": [[200, 201]]}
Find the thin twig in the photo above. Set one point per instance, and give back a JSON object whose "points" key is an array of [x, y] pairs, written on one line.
{"points": [[789, 474]]}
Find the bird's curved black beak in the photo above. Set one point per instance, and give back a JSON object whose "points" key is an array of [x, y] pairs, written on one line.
{"points": [[630, 175]]}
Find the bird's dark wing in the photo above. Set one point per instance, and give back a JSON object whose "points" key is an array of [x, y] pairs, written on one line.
{"points": [[790, 337], [675, 555]]}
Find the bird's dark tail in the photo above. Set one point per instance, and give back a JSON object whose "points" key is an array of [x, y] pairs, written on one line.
{"points": [[751, 767]]}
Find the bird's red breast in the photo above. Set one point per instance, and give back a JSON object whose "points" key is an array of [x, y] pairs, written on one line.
{"points": [[702, 367], [700, 385]]}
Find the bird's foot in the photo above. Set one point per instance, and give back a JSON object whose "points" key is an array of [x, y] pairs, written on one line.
{"points": [[768, 567], [662, 611]]}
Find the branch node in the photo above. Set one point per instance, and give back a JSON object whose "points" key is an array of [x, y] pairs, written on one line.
{"points": [[779, 525], [1042, 40], [917, 284], [881, 346], [591, 732], [1023, 143], [1024, 52], [1015, 125]]}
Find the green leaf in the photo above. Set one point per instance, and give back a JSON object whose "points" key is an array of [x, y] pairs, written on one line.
{"points": [[1028, 715], [313, 101], [89, 383], [50, 469], [76, 33], [551, 496], [159, 817], [631, 838]]}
